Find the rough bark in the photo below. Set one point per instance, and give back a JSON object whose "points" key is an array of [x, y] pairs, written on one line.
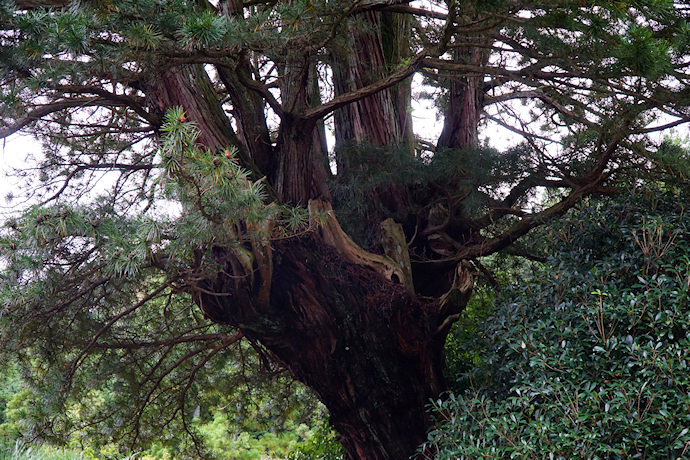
{"points": [[248, 106], [249, 113], [466, 100], [297, 174], [343, 321], [384, 118], [368, 347], [298, 170], [397, 28], [295, 166], [190, 87]]}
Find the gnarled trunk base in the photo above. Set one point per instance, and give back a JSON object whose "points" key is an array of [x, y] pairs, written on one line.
{"points": [[367, 346]]}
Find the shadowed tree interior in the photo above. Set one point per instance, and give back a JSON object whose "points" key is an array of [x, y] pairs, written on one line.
{"points": [[186, 199]]}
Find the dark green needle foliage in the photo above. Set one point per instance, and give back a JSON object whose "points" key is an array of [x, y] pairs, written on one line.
{"points": [[111, 348]]}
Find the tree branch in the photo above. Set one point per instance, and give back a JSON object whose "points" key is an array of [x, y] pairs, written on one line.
{"points": [[42, 110], [406, 9], [111, 166], [261, 90], [334, 236], [76, 361], [516, 74], [353, 96], [515, 130], [33, 4], [122, 99], [537, 94], [223, 338], [591, 184], [453, 302]]}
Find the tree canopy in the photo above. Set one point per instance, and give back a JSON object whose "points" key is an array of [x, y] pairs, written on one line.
{"points": [[186, 199]]}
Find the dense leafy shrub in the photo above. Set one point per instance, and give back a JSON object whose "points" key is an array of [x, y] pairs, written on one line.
{"points": [[589, 359]]}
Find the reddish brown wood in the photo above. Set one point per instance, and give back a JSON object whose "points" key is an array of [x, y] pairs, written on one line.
{"points": [[367, 346], [465, 104]]}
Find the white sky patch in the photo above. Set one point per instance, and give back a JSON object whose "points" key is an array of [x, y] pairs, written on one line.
{"points": [[15, 152]]}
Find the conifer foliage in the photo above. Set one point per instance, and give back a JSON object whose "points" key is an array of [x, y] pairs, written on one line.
{"points": [[184, 202]]}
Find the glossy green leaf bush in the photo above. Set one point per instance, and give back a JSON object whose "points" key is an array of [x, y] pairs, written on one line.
{"points": [[589, 358]]}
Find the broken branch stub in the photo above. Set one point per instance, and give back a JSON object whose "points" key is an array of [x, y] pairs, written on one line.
{"points": [[333, 235]]}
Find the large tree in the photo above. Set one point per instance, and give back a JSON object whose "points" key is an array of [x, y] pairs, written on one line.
{"points": [[184, 198]]}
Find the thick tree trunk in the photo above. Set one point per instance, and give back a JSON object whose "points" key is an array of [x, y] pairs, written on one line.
{"points": [[298, 174], [342, 320], [298, 170], [368, 347], [191, 88], [464, 107], [248, 106], [249, 114], [371, 363], [384, 118], [295, 166]]}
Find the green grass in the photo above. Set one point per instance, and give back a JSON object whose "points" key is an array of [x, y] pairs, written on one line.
{"points": [[20, 451]]}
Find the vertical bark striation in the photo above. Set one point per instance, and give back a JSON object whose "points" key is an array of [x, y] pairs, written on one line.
{"points": [[367, 346], [298, 170], [249, 114], [190, 87], [298, 174], [248, 107], [384, 118], [466, 101]]}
